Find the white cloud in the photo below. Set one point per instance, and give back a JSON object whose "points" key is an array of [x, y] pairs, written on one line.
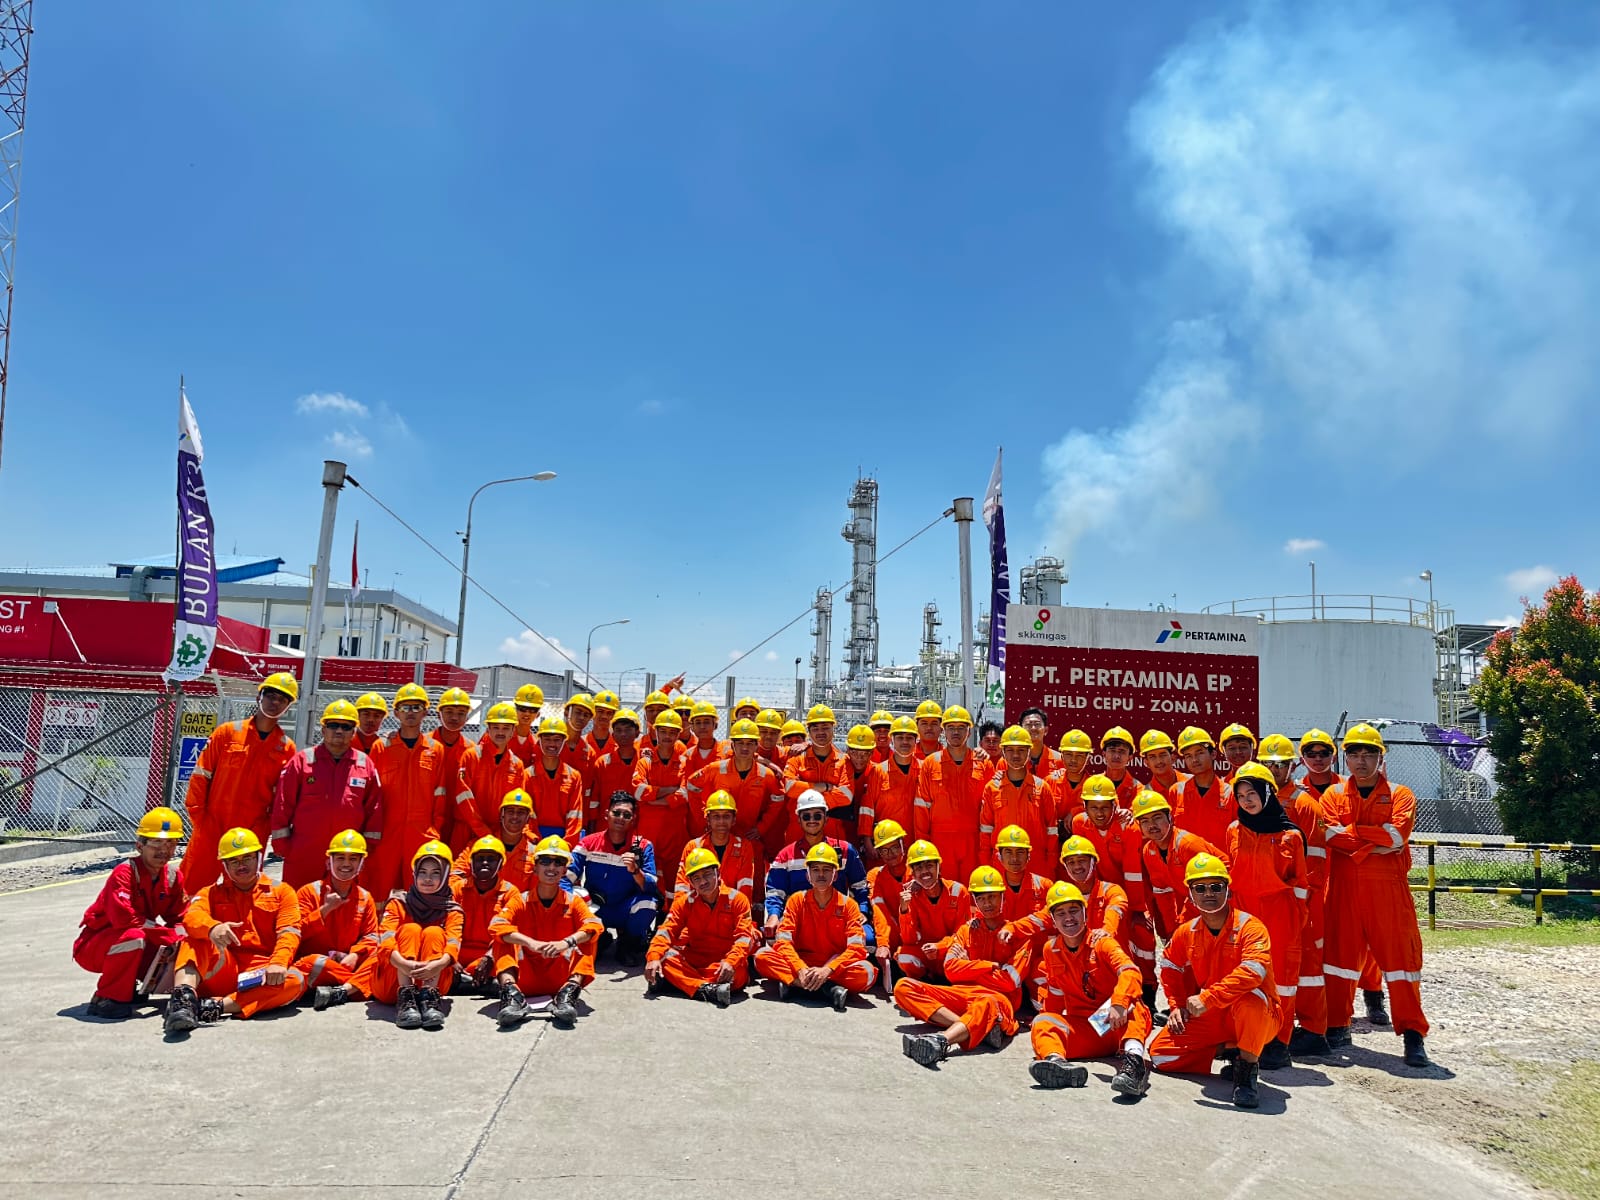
{"points": [[1506, 620], [330, 402], [350, 443], [1303, 545], [601, 654], [528, 650], [1531, 581], [733, 654], [771, 656]]}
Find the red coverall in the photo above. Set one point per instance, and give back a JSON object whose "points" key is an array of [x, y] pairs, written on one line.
{"points": [[318, 798], [1032, 806], [268, 933], [697, 938], [480, 783], [1232, 972], [758, 793], [985, 983], [376, 976], [663, 813], [131, 920], [1269, 882], [810, 934], [1205, 814], [741, 865], [831, 777], [567, 914], [931, 919], [1076, 984], [232, 787], [351, 928], [416, 782], [948, 796]]}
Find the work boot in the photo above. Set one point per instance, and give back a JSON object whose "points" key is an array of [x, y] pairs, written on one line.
{"points": [[183, 1010], [724, 995], [210, 1010], [1134, 1078], [564, 1008], [929, 1049], [1305, 1044], [1338, 1037], [328, 997], [1056, 1072], [630, 952], [407, 1012], [1377, 1015], [838, 996], [995, 1039], [706, 993], [1275, 1056], [1229, 1056], [513, 1006], [1244, 1085], [784, 991], [110, 1010], [432, 1015], [1416, 1054]]}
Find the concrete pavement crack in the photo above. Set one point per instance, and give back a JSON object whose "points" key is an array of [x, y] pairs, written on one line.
{"points": [[460, 1176]]}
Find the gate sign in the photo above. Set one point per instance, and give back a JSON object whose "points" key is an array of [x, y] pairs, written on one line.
{"points": [[1092, 668]]}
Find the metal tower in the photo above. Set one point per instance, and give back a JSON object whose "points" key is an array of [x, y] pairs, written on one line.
{"points": [[1042, 580], [16, 32], [861, 648], [822, 630]]}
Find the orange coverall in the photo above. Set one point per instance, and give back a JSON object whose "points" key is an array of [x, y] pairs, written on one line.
{"points": [[1106, 910], [1032, 806], [1369, 900], [558, 800], [810, 934], [1269, 882], [232, 787], [415, 787], [610, 773], [985, 983], [517, 869], [758, 793], [663, 813], [351, 928], [1205, 814], [1166, 895], [550, 921], [1047, 764], [931, 919], [1311, 998], [891, 796], [268, 932], [481, 782], [478, 911], [121, 935], [1232, 972], [1076, 984], [831, 777], [376, 976], [884, 888], [697, 938], [741, 865], [453, 750], [1371, 978], [1069, 792], [948, 796]]}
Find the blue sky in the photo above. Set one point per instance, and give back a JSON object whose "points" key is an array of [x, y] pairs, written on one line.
{"points": [[1220, 278]]}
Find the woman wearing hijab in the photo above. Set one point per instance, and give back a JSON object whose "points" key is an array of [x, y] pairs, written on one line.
{"points": [[1270, 882], [419, 940]]}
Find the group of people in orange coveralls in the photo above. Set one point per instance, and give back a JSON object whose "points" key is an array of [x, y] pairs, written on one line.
{"points": [[1247, 884]]}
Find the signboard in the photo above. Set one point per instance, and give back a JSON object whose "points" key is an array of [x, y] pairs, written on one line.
{"points": [[196, 723], [1092, 668], [75, 714], [25, 626], [188, 758]]}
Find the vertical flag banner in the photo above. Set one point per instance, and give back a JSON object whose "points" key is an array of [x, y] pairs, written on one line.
{"points": [[194, 630], [355, 589], [994, 520]]}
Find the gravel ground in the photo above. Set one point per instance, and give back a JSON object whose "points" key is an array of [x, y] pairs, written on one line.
{"points": [[59, 868]]}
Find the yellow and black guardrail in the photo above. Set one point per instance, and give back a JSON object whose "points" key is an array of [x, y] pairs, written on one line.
{"points": [[1538, 891]]}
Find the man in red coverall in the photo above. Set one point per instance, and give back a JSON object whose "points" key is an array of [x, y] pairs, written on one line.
{"points": [[322, 792]]}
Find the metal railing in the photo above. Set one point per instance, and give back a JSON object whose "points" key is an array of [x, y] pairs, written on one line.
{"points": [[1465, 859], [1322, 606]]}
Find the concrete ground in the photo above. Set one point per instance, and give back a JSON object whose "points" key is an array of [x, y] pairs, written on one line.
{"points": [[647, 1097]]}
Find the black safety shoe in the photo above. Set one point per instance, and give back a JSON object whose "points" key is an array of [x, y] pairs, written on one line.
{"points": [[630, 952], [1338, 1037], [1416, 1054], [1377, 1015], [325, 997], [564, 1008], [1275, 1056], [1229, 1055], [407, 1011], [110, 1010], [183, 1010], [784, 991], [928, 1049], [1244, 1085], [1056, 1072], [996, 1038], [428, 1001], [1305, 1044], [513, 1006], [211, 1011], [1134, 1078], [838, 996]]}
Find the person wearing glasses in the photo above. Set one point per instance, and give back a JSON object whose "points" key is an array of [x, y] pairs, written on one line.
{"points": [[788, 873], [1217, 973], [322, 792]]}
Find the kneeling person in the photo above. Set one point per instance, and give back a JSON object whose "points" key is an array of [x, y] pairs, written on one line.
{"points": [[704, 944], [821, 944], [618, 870], [546, 929]]}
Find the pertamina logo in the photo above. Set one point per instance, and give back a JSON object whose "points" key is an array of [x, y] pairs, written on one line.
{"points": [[1175, 632], [1196, 635]]}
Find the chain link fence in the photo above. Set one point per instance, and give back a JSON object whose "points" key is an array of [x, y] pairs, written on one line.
{"points": [[1462, 883]]}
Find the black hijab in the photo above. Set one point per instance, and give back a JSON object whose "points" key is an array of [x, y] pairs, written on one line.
{"points": [[1271, 818], [429, 908]]}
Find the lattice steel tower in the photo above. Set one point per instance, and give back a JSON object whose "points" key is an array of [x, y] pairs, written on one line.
{"points": [[16, 32]]}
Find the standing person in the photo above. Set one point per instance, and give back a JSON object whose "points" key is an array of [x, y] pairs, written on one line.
{"points": [[820, 767], [1019, 795], [738, 857], [859, 746], [371, 709], [949, 792], [1116, 747], [1203, 803], [989, 749], [234, 782], [745, 708], [756, 787], [1238, 747], [419, 944], [487, 772], [579, 714], [1067, 779], [704, 945], [930, 720], [663, 803], [598, 739], [614, 769], [338, 922], [1267, 853], [134, 919], [1165, 855], [932, 908], [654, 705], [706, 748], [547, 930], [417, 782], [891, 793], [617, 868], [1370, 909], [455, 706], [820, 946], [881, 722], [323, 790], [1158, 752], [791, 739], [1217, 974], [769, 728], [555, 784], [1042, 760], [528, 703]]}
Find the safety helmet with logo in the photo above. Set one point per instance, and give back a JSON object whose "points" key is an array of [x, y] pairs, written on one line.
{"points": [[1147, 802], [163, 824], [792, 727], [1205, 866], [580, 700], [626, 716], [664, 720], [433, 849], [886, 831], [1061, 893], [1236, 730], [683, 704], [517, 798], [820, 714], [955, 715], [699, 859], [657, 697], [1076, 741], [340, 710], [930, 708], [411, 693], [903, 725], [1260, 776], [1275, 748], [746, 702], [1013, 837], [1116, 734], [455, 698], [607, 701], [530, 695], [861, 737], [822, 852], [348, 842], [769, 718], [1315, 737], [880, 719], [1078, 844], [1154, 739], [554, 846], [810, 799], [986, 879], [489, 844], [372, 701], [280, 681], [1362, 734], [1193, 735], [922, 850], [703, 708], [744, 728], [721, 800], [501, 714], [552, 725], [1098, 787], [236, 843], [1015, 735]]}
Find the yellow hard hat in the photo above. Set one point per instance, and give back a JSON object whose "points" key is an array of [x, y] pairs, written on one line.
{"points": [[657, 698], [744, 728], [554, 846], [1078, 844], [669, 720], [517, 798], [411, 693], [236, 843], [340, 710], [886, 831], [1013, 836], [881, 717], [372, 700], [1154, 739], [903, 725], [1363, 734], [580, 700], [699, 859], [348, 842], [721, 800], [1076, 740], [1061, 893], [955, 715], [1015, 735], [1193, 735], [455, 697], [530, 695], [683, 703], [626, 716], [930, 708], [433, 849], [1316, 737], [1262, 776], [822, 852], [703, 708], [1098, 787], [922, 850], [746, 702], [552, 725], [790, 728], [490, 843], [281, 681], [1205, 866], [986, 879], [607, 701], [1147, 802], [502, 713], [162, 824], [1236, 730], [820, 714], [769, 718], [861, 738], [1275, 748], [1116, 734]]}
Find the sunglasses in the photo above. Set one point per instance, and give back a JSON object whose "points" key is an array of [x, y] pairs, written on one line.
{"points": [[338, 727], [411, 706], [813, 816], [1208, 889], [1316, 753]]}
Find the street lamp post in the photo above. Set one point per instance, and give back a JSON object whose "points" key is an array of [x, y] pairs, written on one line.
{"points": [[1433, 613], [466, 548], [589, 644]]}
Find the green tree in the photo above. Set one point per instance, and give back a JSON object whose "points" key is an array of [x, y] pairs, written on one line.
{"points": [[1541, 690]]}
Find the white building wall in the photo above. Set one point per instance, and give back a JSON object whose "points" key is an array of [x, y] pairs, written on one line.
{"points": [[1311, 671]]}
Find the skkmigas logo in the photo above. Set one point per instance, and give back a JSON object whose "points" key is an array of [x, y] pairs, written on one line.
{"points": [[1190, 636]]}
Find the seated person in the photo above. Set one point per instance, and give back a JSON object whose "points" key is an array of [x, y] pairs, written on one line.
{"points": [[516, 843], [820, 945], [419, 941], [703, 946], [739, 856], [481, 895], [884, 885], [789, 873], [546, 931], [932, 908], [338, 922], [617, 868]]}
